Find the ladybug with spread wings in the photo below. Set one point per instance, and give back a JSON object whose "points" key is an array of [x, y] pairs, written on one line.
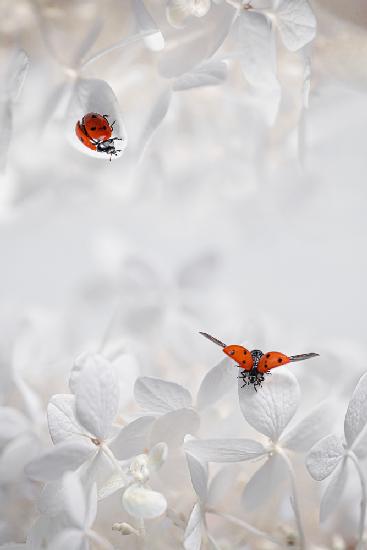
{"points": [[255, 364]]}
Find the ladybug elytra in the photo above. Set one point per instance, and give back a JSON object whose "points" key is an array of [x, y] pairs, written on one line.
{"points": [[95, 132]]}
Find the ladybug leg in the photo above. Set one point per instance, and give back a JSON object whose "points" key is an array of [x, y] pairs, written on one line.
{"points": [[111, 125]]}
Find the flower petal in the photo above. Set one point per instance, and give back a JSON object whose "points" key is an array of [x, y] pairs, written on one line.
{"points": [[199, 476], [208, 73], [270, 408], [62, 422], [216, 383], [256, 42], [224, 450], [133, 438], [296, 23], [97, 398], [74, 499], [220, 485], [157, 456], [94, 96], [65, 456], [324, 457], [159, 396], [193, 531], [309, 430], [143, 503], [333, 491], [263, 483], [16, 74], [356, 415], [172, 427]]}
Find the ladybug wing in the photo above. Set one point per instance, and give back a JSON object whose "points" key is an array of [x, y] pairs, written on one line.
{"points": [[271, 360], [97, 126], [83, 137], [241, 355], [303, 356]]}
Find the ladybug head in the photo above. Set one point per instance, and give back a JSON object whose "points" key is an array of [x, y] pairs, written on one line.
{"points": [[256, 356], [107, 146]]}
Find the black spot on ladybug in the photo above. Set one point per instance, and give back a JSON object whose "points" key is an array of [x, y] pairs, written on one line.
{"points": [[268, 355], [104, 127], [280, 360], [244, 362], [93, 128], [94, 116]]}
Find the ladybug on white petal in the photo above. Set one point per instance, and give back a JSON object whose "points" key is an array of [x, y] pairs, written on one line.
{"points": [[255, 364]]}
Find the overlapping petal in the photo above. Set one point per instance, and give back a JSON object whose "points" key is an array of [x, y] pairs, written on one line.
{"points": [[324, 457]]}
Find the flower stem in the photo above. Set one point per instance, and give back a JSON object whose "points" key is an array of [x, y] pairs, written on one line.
{"points": [[244, 525], [362, 519], [295, 503]]}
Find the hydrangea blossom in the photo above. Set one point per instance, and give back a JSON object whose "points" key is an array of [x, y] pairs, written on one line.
{"points": [[328, 458], [269, 411]]}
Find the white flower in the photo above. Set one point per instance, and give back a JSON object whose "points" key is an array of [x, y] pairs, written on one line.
{"points": [[179, 10], [81, 427], [81, 510], [269, 411], [329, 457]]}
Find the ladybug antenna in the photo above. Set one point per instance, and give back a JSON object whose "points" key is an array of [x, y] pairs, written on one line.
{"points": [[212, 339]]}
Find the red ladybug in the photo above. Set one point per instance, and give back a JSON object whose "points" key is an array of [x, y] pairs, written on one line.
{"points": [[95, 132], [255, 364]]}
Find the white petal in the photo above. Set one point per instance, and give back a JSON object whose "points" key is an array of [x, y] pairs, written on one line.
{"points": [[91, 506], [12, 423], [143, 503], [199, 476], [16, 74], [296, 23], [147, 26], [309, 430], [172, 427], [324, 457], [133, 438], [177, 11], [94, 96], [97, 398], [62, 422], [216, 383], [65, 456], [263, 483], [193, 531], [210, 35], [74, 499], [51, 499], [6, 130], [72, 539], [157, 456], [221, 484], [270, 408], [16, 454], [209, 73], [257, 49], [160, 396], [111, 485], [88, 40], [356, 415], [333, 492], [224, 450], [98, 470], [83, 360]]}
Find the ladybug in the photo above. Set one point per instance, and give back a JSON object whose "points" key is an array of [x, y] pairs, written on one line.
{"points": [[95, 132], [255, 364]]}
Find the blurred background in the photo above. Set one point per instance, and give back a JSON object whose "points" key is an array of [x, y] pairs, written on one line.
{"points": [[228, 212]]}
